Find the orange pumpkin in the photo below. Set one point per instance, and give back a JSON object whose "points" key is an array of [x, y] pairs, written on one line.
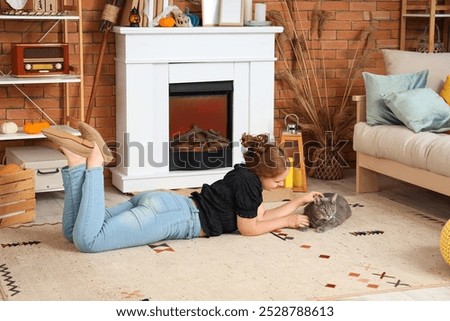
{"points": [[35, 127], [167, 22]]}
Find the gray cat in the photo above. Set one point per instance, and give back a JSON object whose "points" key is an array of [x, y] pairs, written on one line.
{"points": [[327, 212]]}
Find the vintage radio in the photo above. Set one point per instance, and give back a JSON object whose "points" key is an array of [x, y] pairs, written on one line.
{"points": [[39, 59]]}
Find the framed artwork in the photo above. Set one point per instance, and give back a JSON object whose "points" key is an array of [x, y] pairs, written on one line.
{"points": [[210, 12], [231, 13]]}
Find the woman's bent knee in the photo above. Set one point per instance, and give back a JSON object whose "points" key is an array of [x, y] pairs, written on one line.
{"points": [[86, 247], [68, 237]]}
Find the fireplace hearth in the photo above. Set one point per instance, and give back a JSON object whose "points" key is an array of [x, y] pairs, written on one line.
{"points": [[149, 75]]}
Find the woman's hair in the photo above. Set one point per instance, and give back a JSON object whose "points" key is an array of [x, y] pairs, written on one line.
{"points": [[262, 158]]}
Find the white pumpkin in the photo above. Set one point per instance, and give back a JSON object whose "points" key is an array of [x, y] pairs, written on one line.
{"points": [[9, 127]]}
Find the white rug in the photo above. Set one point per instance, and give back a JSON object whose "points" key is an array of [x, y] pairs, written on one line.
{"points": [[382, 247]]}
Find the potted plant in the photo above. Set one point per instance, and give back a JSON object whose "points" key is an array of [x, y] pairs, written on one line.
{"points": [[328, 122]]}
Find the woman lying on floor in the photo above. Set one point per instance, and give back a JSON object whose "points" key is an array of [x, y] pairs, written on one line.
{"points": [[232, 203]]}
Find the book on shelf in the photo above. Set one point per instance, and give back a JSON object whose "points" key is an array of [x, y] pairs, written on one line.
{"points": [[51, 5], [38, 5]]}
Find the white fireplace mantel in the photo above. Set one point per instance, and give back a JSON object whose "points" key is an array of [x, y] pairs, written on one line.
{"points": [[149, 59]]}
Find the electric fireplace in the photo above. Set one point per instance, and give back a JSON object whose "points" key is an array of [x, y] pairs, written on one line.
{"points": [[184, 97]]}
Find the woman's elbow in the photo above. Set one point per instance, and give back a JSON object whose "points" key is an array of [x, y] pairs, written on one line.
{"points": [[248, 226], [248, 231]]}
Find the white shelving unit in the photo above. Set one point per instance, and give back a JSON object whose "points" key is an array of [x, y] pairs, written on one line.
{"points": [[11, 80], [20, 135], [430, 10], [71, 14], [39, 17]]}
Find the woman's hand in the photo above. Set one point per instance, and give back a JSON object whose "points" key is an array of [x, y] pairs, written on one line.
{"points": [[298, 220], [308, 198], [276, 218]]}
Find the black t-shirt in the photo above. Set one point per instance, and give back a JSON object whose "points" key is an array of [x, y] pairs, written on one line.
{"points": [[238, 193]]}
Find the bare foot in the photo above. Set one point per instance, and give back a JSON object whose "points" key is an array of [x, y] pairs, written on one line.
{"points": [[72, 158], [96, 158]]}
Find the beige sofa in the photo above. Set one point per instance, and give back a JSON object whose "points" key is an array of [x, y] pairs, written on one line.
{"points": [[423, 158]]}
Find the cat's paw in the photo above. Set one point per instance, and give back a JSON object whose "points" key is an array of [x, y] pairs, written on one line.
{"points": [[321, 229], [303, 229]]}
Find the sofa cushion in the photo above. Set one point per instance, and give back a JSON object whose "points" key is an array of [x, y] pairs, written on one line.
{"points": [[401, 62], [420, 110], [377, 86], [438, 159], [425, 150]]}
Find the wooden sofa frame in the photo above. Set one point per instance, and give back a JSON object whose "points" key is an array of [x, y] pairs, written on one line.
{"points": [[368, 167]]}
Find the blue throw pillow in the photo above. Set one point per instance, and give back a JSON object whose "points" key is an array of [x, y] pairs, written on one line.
{"points": [[420, 110], [378, 86]]}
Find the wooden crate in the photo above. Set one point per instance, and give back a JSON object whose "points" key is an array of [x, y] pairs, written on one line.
{"points": [[17, 198]]}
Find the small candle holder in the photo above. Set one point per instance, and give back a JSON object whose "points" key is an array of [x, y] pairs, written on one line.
{"points": [[260, 12]]}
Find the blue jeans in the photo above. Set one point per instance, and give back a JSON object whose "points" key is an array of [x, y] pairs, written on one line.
{"points": [[146, 218]]}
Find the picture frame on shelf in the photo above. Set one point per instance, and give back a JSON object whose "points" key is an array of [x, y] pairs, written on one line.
{"points": [[231, 13], [210, 12]]}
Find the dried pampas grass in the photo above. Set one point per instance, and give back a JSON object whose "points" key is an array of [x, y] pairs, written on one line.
{"points": [[305, 73]]}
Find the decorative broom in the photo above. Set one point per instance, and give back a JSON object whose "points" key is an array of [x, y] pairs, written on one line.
{"points": [[109, 19]]}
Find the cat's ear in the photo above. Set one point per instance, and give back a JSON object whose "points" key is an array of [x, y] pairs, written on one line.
{"points": [[317, 199], [334, 198]]}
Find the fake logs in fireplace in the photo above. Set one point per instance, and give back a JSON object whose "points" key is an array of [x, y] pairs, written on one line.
{"points": [[199, 149]]}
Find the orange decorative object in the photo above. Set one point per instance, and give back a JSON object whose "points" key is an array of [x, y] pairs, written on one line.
{"points": [[35, 127], [167, 22], [134, 18]]}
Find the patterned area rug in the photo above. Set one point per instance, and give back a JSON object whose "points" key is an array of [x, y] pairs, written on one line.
{"points": [[382, 247]]}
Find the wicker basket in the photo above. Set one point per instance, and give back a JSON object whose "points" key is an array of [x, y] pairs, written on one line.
{"points": [[326, 165], [444, 242]]}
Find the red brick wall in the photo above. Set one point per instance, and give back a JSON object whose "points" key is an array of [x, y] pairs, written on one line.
{"points": [[347, 18]]}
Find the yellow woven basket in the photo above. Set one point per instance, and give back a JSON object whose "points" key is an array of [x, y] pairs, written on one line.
{"points": [[444, 242]]}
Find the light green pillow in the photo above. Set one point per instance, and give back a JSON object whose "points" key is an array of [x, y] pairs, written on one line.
{"points": [[420, 110], [378, 86]]}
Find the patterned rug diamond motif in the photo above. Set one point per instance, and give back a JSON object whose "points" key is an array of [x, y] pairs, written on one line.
{"points": [[374, 251]]}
